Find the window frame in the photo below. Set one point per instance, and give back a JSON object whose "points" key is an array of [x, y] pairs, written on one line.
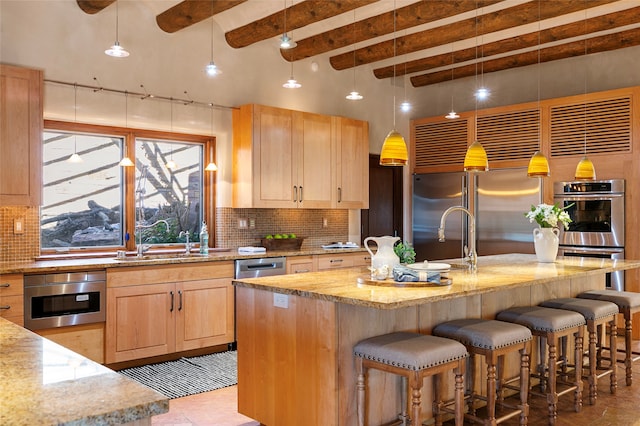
{"points": [[129, 136]]}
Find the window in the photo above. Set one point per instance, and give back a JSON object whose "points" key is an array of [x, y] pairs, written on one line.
{"points": [[96, 204], [82, 201]]}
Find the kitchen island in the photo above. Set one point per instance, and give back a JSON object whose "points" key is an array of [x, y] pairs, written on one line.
{"points": [[296, 333], [42, 383]]}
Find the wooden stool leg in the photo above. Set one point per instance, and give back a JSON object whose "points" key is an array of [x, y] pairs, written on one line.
{"points": [[524, 385], [500, 380], [491, 391], [360, 386], [593, 372], [627, 346], [552, 396], [415, 383], [459, 393], [578, 357], [437, 399], [613, 336], [471, 375]]}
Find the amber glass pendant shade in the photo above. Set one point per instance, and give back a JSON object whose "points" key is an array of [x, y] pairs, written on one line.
{"points": [[394, 150], [476, 158], [538, 166], [585, 170]]}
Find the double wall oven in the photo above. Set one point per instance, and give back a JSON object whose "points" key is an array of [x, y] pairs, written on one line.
{"points": [[596, 209]]}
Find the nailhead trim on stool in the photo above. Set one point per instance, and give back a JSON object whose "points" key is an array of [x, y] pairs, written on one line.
{"points": [[596, 313], [628, 303], [492, 339], [552, 324], [414, 356]]}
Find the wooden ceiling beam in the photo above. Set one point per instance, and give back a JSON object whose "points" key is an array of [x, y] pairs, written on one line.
{"points": [[406, 17], [93, 6], [298, 16], [604, 43], [491, 22], [189, 12], [561, 32]]}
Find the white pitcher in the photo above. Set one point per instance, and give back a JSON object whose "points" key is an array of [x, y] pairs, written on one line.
{"points": [[384, 255]]}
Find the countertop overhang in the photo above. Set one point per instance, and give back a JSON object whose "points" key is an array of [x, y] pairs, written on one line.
{"points": [[43, 383], [494, 273]]}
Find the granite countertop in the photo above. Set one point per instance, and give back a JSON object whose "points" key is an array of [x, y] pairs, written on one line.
{"points": [[43, 383], [151, 258], [494, 273]]}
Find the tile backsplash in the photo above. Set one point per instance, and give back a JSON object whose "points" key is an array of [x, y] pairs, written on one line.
{"points": [[308, 223], [302, 222], [18, 247]]}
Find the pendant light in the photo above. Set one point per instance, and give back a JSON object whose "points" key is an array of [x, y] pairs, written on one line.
{"points": [[211, 167], [538, 165], [212, 69], [75, 158], [394, 148], [475, 160], [585, 169], [354, 95], [453, 114], [116, 50], [292, 83], [286, 42], [126, 161]]}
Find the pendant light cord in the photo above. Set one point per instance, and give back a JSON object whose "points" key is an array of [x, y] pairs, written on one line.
{"points": [[585, 82], [117, 19], [394, 64]]}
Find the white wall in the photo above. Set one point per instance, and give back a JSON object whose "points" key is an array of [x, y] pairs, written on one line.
{"points": [[56, 36]]}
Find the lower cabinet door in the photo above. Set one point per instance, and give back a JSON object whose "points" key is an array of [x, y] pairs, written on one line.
{"points": [[140, 321], [204, 313]]}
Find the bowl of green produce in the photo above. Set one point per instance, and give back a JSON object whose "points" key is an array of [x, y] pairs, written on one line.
{"points": [[282, 241]]}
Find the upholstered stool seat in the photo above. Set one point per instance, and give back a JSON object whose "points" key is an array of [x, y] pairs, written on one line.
{"points": [[552, 325], [414, 356], [596, 313], [628, 304], [492, 339]]}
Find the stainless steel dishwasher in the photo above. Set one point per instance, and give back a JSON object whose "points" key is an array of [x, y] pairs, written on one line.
{"points": [[261, 267]]}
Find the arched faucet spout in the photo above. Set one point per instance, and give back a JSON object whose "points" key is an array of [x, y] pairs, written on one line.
{"points": [[472, 256]]}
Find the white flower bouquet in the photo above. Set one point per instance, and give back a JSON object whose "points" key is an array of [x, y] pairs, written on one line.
{"points": [[548, 216]]}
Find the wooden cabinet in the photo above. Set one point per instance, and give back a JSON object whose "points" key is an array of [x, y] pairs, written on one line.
{"points": [[159, 310], [352, 164], [12, 298], [301, 264], [21, 125], [292, 159], [342, 260]]}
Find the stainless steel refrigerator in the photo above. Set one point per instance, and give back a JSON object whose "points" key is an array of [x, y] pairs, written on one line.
{"points": [[498, 199]]}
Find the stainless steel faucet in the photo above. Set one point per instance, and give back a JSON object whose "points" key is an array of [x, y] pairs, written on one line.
{"points": [[472, 256], [142, 248], [187, 244]]}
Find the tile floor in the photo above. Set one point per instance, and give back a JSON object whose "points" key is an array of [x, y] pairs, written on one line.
{"points": [[219, 408]]}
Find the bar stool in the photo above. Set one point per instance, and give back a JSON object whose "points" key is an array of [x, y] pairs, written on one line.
{"points": [[493, 340], [597, 313], [629, 304], [552, 325], [414, 356]]}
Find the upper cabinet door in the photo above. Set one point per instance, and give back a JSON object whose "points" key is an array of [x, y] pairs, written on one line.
{"points": [[21, 125], [352, 178], [313, 147]]}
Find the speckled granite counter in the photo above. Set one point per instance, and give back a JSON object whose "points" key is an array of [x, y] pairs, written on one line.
{"points": [[296, 333], [215, 255], [494, 273], [42, 383]]}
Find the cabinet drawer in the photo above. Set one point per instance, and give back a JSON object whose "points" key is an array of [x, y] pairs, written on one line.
{"points": [[11, 285], [332, 262], [11, 306], [300, 264]]}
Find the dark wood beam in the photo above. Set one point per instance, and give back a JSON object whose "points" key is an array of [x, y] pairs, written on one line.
{"points": [[298, 16], [577, 48], [496, 21], [406, 17], [561, 32], [189, 12], [93, 6]]}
